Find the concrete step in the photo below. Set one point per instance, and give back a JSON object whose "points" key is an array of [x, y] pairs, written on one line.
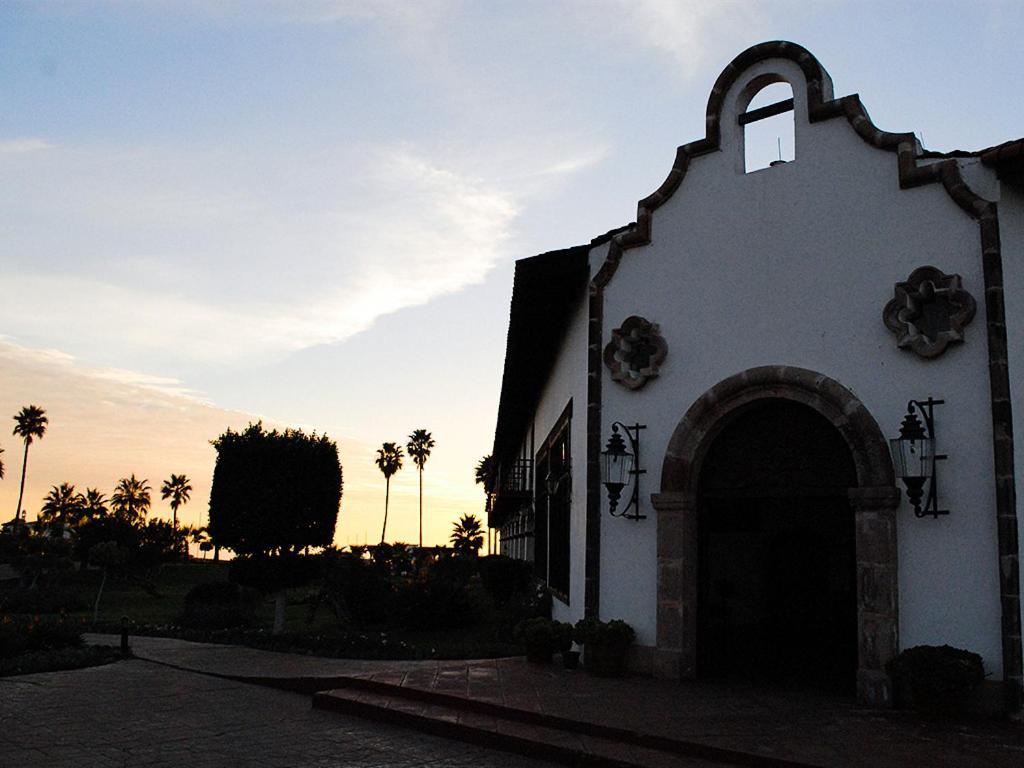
{"points": [[535, 741], [527, 732]]}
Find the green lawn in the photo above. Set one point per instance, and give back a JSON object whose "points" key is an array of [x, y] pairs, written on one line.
{"points": [[162, 604], [131, 599]]}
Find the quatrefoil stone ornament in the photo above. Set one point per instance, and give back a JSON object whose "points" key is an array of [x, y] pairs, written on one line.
{"points": [[635, 353], [929, 311]]}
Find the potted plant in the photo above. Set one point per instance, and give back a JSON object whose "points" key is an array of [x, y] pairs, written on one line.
{"points": [[563, 641], [604, 645], [539, 637]]}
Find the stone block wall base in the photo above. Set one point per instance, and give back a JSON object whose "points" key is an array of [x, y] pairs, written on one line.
{"points": [[874, 688], [667, 664]]}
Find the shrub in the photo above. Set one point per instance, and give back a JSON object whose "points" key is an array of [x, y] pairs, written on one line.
{"points": [[51, 600], [930, 677], [430, 602], [359, 590], [218, 605], [541, 638], [563, 636], [396, 559], [615, 634], [457, 570]]}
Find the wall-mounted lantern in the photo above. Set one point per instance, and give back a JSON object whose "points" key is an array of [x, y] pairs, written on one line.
{"points": [[618, 465], [914, 457]]}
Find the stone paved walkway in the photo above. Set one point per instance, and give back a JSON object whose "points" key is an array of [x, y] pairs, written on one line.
{"points": [[137, 713], [802, 727]]}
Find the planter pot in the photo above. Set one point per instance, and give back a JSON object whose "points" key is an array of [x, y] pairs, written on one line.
{"points": [[570, 659], [604, 661]]}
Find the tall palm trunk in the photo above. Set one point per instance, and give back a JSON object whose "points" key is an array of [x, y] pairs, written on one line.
{"points": [[387, 494], [421, 507], [21, 493]]}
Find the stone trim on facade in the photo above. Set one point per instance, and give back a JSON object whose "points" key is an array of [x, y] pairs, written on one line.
{"points": [[592, 562], [635, 331], [903, 313], [822, 106], [874, 502]]}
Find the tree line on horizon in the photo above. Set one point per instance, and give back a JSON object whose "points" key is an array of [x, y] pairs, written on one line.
{"points": [[131, 498], [64, 506]]}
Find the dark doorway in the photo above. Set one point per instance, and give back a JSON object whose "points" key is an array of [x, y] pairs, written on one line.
{"points": [[777, 598]]}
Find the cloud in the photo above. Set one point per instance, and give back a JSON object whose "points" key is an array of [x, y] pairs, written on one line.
{"points": [[686, 30], [206, 258], [20, 146], [55, 362]]}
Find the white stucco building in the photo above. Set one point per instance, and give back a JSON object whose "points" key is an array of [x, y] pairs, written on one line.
{"points": [[768, 328]]}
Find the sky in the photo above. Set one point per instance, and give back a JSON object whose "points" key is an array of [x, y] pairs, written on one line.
{"points": [[308, 212]]}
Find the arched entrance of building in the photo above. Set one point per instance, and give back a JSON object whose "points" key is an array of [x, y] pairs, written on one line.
{"points": [[777, 590], [872, 499]]}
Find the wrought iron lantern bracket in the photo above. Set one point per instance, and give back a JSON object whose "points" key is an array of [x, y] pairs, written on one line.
{"points": [[616, 447], [913, 432]]}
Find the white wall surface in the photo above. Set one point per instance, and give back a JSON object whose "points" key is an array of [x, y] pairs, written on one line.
{"points": [[793, 265]]}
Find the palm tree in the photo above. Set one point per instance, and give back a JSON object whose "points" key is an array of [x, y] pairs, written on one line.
{"points": [[484, 470], [467, 535], [61, 503], [130, 499], [420, 443], [485, 476], [1, 466], [94, 504], [197, 535], [389, 461], [30, 424], [178, 490]]}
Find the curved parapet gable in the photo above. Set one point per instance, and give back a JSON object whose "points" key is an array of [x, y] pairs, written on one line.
{"points": [[820, 106]]}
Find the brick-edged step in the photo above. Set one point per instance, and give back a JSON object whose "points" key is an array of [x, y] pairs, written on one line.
{"points": [[624, 738], [530, 740]]}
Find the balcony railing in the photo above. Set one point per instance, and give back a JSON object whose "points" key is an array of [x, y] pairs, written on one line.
{"points": [[514, 490]]}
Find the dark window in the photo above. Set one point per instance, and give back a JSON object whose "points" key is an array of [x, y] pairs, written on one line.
{"points": [[553, 507]]}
